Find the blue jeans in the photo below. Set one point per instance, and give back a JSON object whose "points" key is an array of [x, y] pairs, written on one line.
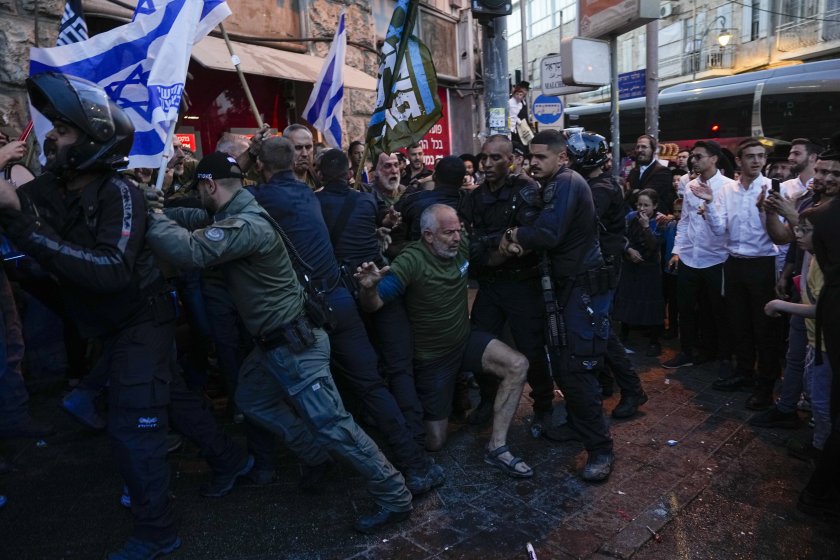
{"points": [[818, 386], [794, 365], [294, 396]]}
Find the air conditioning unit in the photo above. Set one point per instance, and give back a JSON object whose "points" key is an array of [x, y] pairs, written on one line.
{"points": [[667, 9]]}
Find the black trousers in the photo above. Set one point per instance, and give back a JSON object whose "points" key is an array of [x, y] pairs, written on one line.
{"points": [[138, 359], [703, 288], [749, 285], [356, 363], [520, 304], [390, 328], [826, 476]]}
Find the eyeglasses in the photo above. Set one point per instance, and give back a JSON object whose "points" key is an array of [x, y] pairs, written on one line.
{"points": [[697, 156], [799, 230]]}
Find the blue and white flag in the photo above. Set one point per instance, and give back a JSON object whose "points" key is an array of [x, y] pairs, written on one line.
{"points": [[142, 66], [73, 27], [324, 109]]}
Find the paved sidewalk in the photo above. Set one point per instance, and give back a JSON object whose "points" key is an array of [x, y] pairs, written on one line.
{"points": [[723, 490]]}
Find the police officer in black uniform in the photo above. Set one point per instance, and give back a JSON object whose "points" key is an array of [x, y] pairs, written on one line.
{"points": [[351, 219], [567, 229], [85, 224], [508, 287], [588, 152], [294, 206], [448, 179]]}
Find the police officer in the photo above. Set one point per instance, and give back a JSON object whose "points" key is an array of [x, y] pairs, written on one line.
{"points": [[588, 152], [296, 209], [351, 219], [448, 178], [508, 287], [567, 230], [285, 383], [85, 224]]}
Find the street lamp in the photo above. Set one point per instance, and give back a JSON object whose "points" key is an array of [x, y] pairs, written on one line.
{"points": [[723, 40]]}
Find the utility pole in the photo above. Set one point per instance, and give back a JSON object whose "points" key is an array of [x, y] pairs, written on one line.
{"points": [[494, 62], [652, 79]]}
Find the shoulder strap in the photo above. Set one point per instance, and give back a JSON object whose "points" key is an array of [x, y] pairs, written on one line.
{"points": [[300, 265], [341, 221]]}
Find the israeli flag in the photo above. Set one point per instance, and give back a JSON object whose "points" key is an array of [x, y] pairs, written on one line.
{"points": [[141, 65], [324, 109]]}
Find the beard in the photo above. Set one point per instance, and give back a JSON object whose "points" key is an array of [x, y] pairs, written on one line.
{"points": [[443, 250]]}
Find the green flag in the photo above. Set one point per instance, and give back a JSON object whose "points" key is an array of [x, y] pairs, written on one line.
{"points": [[407, 103]]}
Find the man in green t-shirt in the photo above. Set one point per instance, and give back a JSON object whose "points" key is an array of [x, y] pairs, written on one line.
{"points": [[431, 274]]}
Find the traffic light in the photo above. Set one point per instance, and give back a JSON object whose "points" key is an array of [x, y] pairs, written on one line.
{"points": [[488, 9]]}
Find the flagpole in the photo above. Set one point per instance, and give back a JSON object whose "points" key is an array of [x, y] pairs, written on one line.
{"points": [[164, 159], [389, 95], [235, 60]]}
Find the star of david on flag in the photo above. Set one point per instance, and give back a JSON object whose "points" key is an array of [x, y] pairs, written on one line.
{"points": [[141, 65], [324, 109]]}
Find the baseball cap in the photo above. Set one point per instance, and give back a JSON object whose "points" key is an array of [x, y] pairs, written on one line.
{"points": [[218, 165]]}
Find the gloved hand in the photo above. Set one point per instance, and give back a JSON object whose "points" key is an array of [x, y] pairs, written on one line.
{"points": [[152, 197]]}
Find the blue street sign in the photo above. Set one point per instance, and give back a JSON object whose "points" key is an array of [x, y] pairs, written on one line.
{"points": [[548, 109], [632, 84]]}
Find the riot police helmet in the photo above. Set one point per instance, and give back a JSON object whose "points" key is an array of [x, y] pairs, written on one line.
{"points": [[586, 150], [106, 131]]}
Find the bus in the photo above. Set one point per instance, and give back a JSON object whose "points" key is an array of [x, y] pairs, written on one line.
{"points": [[801, 101]]}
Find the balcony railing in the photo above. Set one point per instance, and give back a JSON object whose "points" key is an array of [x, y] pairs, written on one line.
{"points": [[710, 58], [807, 33]]}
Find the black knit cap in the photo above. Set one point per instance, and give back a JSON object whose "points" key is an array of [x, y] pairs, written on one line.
{"points": [[450, 171]]}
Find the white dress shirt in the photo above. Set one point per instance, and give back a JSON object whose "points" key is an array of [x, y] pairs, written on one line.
{"points": [[735, 216], [794, 188], [696, 243]]}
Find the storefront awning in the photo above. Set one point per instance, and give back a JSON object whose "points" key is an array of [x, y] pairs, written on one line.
{"points": [[265, 61]]}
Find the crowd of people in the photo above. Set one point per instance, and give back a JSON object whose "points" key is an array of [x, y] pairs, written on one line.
{"points": [[332, 295]]}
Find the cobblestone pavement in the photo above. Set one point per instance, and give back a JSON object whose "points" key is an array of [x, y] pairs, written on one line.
{"points": [[723, 491]]}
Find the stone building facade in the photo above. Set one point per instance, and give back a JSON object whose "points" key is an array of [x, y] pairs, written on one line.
{"points": [[23, 24]]}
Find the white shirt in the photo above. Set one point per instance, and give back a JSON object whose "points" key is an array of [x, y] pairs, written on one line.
{"points": [[791, 189], [681, 187], [735, 216], [794, 188], [696, 243], [514, 107]]}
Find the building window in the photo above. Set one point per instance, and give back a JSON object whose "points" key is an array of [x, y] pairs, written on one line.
{"points": [[514, 24], [756, 20]]}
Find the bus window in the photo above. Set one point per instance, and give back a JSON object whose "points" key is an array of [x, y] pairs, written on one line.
{"points": [[800, 115], [724, 117]]}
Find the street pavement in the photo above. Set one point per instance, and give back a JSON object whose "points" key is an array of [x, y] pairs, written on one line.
{"points": [[720, 490]]}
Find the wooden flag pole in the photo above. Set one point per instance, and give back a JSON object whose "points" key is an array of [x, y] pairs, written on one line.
{"points": [[235, 60]]}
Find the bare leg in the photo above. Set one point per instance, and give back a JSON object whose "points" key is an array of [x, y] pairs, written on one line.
{"points": [[512, 368]]}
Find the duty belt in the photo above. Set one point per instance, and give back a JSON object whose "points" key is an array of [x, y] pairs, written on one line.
{"points": [[296, 334], [594, 281]]}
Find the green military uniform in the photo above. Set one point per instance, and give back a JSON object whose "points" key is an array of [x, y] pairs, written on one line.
{"points": [[290, 393]]}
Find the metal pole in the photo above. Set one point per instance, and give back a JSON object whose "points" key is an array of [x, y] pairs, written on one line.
{"points": [[523, 22], [495, 66], [167, 154], [652, 79], [235, 60], [616, 133]]}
